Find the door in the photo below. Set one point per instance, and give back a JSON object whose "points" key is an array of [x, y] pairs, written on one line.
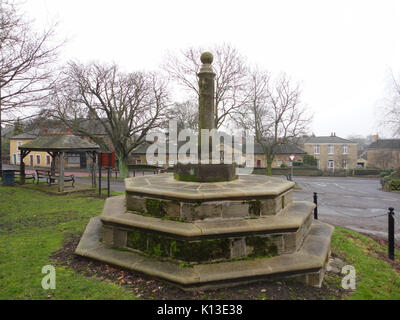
{"points": [[331, 165], [83, 160], [258, 163], [31, 160]]}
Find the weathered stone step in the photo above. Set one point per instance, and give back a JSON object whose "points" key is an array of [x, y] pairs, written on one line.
{"points": [[290, 220], [308, 264]]}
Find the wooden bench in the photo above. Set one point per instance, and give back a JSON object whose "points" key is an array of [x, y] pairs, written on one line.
{"points": [[28, 176], [42, 174], [67, 178]]}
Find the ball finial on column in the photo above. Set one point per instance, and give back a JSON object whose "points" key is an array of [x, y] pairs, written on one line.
{"points": [[206, 58]]}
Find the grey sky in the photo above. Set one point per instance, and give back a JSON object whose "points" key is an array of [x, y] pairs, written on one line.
{"points": [[341, 51]]}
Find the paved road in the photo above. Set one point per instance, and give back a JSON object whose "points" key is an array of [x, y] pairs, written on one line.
{"points": [[353, 203]]}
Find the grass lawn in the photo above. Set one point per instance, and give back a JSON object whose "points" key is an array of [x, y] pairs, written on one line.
{"points": [[34, 224]]}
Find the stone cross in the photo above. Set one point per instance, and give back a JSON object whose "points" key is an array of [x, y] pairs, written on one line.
{"points": [[206, 95]]}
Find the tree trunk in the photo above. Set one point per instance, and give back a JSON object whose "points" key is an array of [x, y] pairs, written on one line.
{"points": [[269, 164], [123, 167]]}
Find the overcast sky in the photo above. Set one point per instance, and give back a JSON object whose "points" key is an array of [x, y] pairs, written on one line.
{"points": [[341, 51]]}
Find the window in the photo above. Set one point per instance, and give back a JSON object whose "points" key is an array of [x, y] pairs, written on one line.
{"points": [[19, 143], [48, 160], [74, 158], [331, 164], [344, 164], [31, 160], [330, 149], [38, 159], [278, 163], [317, 163], [316, 149], [18, 158], [138, 161], [345, 149]]}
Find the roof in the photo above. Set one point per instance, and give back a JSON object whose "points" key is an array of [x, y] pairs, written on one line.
{"points": [[59, 142], [326, 139], [385, 144], [7, 131], [287, 148], [93, 126], [25, 135]]}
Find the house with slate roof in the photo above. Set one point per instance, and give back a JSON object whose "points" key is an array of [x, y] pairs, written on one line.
{"points": [[384, 153], [283, 151], [332, 152]]}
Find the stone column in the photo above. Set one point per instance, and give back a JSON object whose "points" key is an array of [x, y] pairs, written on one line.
{"points": [[206, 96]]}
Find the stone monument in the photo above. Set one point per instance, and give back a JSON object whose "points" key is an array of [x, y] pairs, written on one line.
{"points": [[208, 172], [204, 227]]}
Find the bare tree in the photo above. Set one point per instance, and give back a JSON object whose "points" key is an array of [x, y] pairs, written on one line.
{"points": [[230, 69], [26, 62], [126, 105], [26, 58], [274, 113], [186, 114], [391, 107]]}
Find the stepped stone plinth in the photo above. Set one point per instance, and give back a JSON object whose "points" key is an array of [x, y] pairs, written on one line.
{"points": [[189, 232]]}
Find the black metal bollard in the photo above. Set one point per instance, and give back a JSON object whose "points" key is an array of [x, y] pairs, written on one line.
{"points": [[316, 206], [391, 233]]}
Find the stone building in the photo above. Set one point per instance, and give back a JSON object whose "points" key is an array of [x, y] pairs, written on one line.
{"points": [[383, 153], [332, 152], [138, 156], [281, 155]]}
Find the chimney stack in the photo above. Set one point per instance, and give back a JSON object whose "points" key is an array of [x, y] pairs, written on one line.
{"points": [[375, 137]]}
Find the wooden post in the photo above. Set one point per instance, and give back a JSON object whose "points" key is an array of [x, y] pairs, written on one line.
{"points": [[22, 167], [93, 155], [61, 172], [53, 164]]}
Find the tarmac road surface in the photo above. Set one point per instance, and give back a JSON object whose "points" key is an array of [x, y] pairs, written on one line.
{"points": [[355, 203]]}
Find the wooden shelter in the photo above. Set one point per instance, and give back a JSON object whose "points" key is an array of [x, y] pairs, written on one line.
{"points": [[57, 145]]}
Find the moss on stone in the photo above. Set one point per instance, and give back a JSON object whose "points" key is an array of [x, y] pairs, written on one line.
{"points": [[262, 246], [203, 250], [194, 178], [188, 251], [155, 207], [254, 208], [137, 240]]}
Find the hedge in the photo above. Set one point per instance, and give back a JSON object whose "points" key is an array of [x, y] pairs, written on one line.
{"points": [[394, 184]]}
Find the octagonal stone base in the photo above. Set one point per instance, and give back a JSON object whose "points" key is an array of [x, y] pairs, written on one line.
{"points": [[248, 196], [186, 231]]}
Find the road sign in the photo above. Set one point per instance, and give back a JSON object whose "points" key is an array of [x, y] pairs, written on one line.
{"points": [[291, 157], [107, 159]]}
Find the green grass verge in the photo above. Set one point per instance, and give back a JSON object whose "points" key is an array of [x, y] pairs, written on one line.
{"points": [[32, 226], [376, 278]]}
